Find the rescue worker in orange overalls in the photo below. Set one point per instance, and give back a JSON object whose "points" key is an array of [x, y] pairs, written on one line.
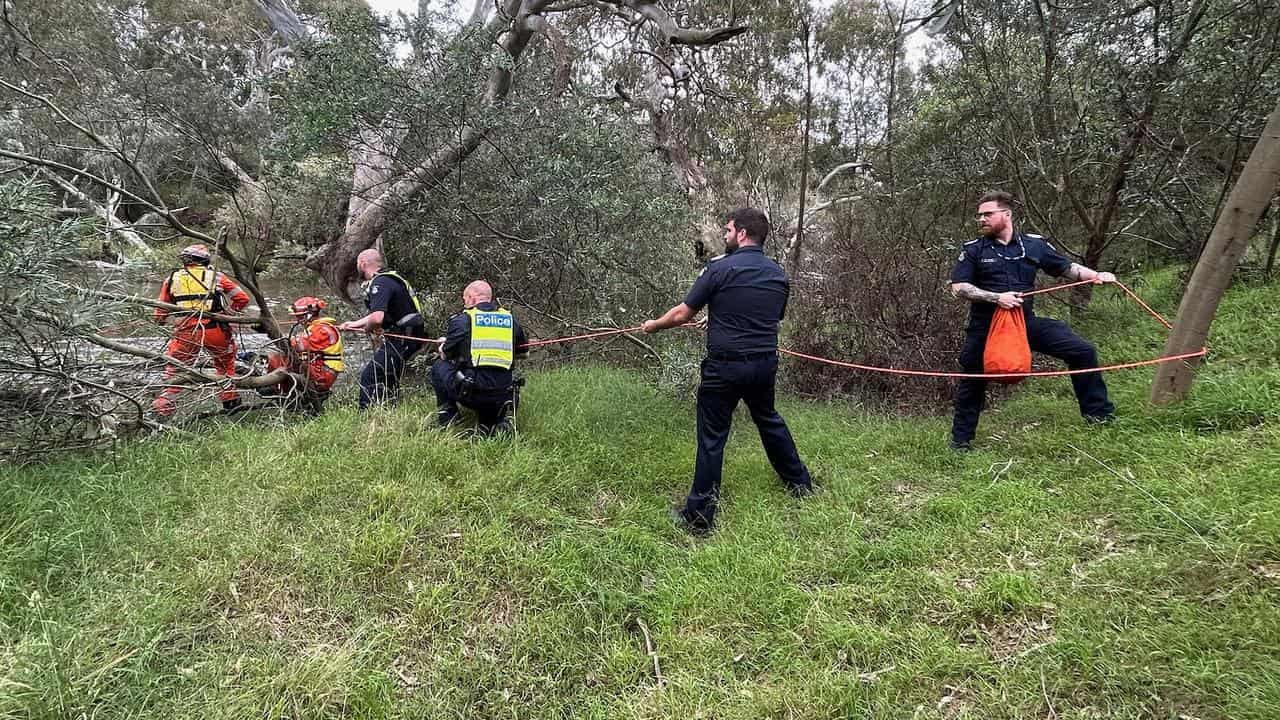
{"points": [[317, 355], [199, 289]]}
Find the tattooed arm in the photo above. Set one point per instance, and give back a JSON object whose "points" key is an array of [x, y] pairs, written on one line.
{"points": [[972, 293]]}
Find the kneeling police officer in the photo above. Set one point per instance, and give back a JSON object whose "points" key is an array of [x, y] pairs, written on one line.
{"points": [[476, 356]]}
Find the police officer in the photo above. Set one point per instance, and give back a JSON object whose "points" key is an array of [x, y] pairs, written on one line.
{"points": [[393, 308], [746, 294], [993, 271], [476, 354]]}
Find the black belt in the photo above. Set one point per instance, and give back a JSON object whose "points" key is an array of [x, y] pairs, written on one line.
{"points": [[742, 355]]}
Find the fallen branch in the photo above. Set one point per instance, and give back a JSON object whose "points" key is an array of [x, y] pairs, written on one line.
{"points": [[652, 652], [275, 377], [176, 310]]}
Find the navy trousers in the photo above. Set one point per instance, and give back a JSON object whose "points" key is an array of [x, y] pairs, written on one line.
{"points": [[490, 406], [724, 383], [1047, 336], [381, 375]]}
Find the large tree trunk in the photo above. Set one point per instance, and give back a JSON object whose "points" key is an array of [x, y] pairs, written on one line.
{"points": [[512, 29], [1227, 244], [375, 206]]}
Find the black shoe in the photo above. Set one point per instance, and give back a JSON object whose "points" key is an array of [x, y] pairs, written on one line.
{"points": [[1099, 419], [960, 446], [231, 406], [802, 491], [697, 528]]}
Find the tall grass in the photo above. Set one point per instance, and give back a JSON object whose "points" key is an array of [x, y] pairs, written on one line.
{"points": [[369, 566]]}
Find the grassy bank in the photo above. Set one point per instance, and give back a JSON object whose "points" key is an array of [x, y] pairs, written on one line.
{"points": [[357, 566]]}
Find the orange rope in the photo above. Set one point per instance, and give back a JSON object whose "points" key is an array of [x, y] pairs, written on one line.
{"points": [[900, 371], [602, 333], [1167, 325], [1055, 288], [535, 343], [978, 376], [1044, 373]]}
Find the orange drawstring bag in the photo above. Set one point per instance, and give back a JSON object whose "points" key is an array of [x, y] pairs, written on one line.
{"points": [[1007, 349]]}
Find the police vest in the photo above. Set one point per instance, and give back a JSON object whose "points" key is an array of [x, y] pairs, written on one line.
{"points": [[492, 338], [332, 355], [195, 287], [417, 305]]}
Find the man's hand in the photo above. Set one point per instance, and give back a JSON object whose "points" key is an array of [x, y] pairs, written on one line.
{"points": [[1009, 300], [349, 326], [1104, 277], [440, 347], [650, 326]]}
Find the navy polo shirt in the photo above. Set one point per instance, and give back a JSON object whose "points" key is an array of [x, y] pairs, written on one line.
{"points": [[389, 295], [993, 267], [747, 294]]}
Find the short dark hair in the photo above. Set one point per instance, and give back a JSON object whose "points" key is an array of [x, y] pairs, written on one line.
{"points": [[999, 197], [753, 221]]}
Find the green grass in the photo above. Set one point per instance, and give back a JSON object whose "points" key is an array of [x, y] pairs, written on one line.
{"points": [[364, 567]]}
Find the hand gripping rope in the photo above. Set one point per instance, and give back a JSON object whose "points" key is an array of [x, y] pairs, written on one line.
{"points": [[915, 373], [1043, 373]]}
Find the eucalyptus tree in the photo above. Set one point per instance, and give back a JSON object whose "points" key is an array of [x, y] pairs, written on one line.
{"points": [[408, 125]]}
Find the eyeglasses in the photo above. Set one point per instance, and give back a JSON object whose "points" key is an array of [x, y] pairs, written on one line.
{"points": [[987, 214]]}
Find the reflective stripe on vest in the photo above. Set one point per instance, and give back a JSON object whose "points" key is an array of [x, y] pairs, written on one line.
{"points": [[417, 305], [195, 287], [492, 338], [333, 354]]}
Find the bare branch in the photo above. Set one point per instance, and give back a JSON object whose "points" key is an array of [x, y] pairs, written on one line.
{"points": [[87, 132], [176, 310], [674, 34], [282, 18], [163, 212]]}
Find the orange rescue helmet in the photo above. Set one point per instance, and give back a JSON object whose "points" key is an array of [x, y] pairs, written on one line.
{"points": [[306, 305]]}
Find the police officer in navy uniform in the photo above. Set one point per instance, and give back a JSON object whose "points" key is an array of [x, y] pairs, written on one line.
{"points": [[991, 272], [476, 357], [746, 295], [393, 308]]}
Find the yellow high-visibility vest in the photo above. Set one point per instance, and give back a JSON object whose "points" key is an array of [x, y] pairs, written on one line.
{"points": [[195, 287], [333, 354], [417, 305], [493, 335]]}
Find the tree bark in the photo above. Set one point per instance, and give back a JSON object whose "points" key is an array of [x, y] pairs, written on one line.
{"points": [[380, 205], [282, 18], [796, 246], [1275, 243], [1227, 244]]}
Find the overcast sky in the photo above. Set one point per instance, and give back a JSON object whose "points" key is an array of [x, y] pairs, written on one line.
{"points": [[384, 7]]}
